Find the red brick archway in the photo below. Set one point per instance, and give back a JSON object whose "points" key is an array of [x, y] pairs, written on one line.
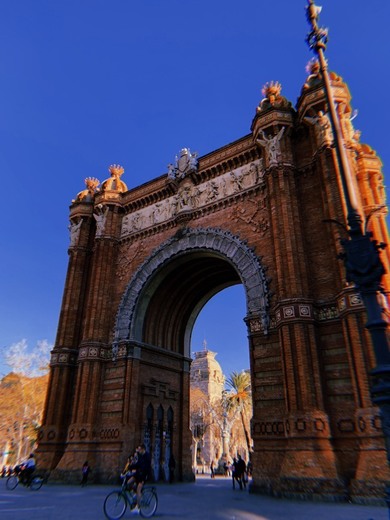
{"points": [[143, 262]]}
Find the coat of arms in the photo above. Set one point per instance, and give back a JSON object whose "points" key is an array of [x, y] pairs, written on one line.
{"points": [[185, 163]]}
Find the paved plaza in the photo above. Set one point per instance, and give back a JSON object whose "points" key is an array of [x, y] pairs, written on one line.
{"points": [[205, 499]]}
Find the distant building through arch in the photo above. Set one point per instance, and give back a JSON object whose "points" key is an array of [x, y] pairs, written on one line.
{"points": [[207, 383], [207, 389]]}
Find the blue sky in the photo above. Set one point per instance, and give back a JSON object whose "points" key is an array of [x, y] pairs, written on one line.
{"points": [[88, 83]]}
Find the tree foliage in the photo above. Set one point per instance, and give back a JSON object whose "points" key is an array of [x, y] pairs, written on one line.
{"points": [[228, 416], [23, 393], [21, 408], [240, 398]]}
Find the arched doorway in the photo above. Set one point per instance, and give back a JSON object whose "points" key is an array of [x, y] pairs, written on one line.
{"points": [[159, 309]]}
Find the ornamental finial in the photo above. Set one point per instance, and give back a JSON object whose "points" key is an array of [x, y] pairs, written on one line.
{"points": [[272, 90], [116, 170], [114, 183], [87, 195], [272, 97]]}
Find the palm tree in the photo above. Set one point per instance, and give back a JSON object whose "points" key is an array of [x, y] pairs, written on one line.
{"points": [[240, 396]]}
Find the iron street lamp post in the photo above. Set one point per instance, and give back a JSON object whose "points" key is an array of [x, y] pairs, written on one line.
{"points": [[361, 254]]}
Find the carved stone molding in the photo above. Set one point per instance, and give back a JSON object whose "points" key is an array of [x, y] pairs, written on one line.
{"points": [[159, 389], [63, 357], [297, 425], [292, 310], [349, 302], [226, 245]]}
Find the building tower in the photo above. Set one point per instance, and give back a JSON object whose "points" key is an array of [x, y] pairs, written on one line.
{"points": [[206, 387]]}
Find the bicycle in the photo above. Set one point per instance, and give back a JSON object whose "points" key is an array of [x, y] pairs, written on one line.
{"points": [[35, 481], [116, 502]]}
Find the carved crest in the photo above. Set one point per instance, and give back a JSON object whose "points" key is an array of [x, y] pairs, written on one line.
{"points": [[185, 163]]}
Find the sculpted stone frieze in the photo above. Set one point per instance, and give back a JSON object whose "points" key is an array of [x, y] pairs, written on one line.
{"points": [[191, 197]]}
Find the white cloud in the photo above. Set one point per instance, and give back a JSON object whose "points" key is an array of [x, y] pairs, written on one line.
{"points": [[27, 361]]}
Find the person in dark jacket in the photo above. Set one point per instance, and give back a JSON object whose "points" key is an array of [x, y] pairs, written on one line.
{"points": [[85, 472], [142, 469], [241, 471]]}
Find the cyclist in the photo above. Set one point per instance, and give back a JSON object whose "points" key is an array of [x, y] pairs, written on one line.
{"points": [[127, 472], [142, 469], [27, 469]]}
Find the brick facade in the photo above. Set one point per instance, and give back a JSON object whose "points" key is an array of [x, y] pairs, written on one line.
{"points": [[259, 211]]}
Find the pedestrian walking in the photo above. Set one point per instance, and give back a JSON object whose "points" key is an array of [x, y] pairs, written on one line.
{"points": [[85, 470], [241, 471], [171, 466]]}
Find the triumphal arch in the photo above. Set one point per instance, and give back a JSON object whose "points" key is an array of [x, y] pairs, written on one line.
{"points": [[266, 211]]}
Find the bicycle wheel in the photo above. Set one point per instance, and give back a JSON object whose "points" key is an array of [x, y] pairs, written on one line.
{"points": [[36, 483], [115, 505], [149, 501], [12, 482]]}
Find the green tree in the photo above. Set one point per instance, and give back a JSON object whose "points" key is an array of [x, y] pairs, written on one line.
{"points": [[239, 397]]}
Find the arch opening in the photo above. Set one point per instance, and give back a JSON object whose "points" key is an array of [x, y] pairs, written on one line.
{"points": [[176, 295], [168, 291], [220, 326]]}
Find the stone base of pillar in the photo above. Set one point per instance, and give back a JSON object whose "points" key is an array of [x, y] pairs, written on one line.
{"points": [[297, 460], [301, 488], [51, 447], [368, 492], [372, 459], [48, 456]]}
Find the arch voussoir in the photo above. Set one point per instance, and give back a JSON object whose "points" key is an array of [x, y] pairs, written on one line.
{"points": [[222, 243]]}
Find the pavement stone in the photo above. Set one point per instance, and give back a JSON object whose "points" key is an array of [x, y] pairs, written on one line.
{"points": [[203, 500]]}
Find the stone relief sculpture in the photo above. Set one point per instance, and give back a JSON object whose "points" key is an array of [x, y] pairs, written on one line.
{"points": [[171, 171], [322, 127], [185, 163], [164, 210], [155, 214], [237, 180], [190, 197], [350, 134], [175, 204], [74, 230], [222, 187], [253, 172], [100, 218], [128, 259], [272, 146], [196, 196], [255, 218], [185, 197], [212, 191]]}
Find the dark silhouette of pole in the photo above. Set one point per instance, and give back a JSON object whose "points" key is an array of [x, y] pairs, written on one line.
{"points": [[360, 253]]}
